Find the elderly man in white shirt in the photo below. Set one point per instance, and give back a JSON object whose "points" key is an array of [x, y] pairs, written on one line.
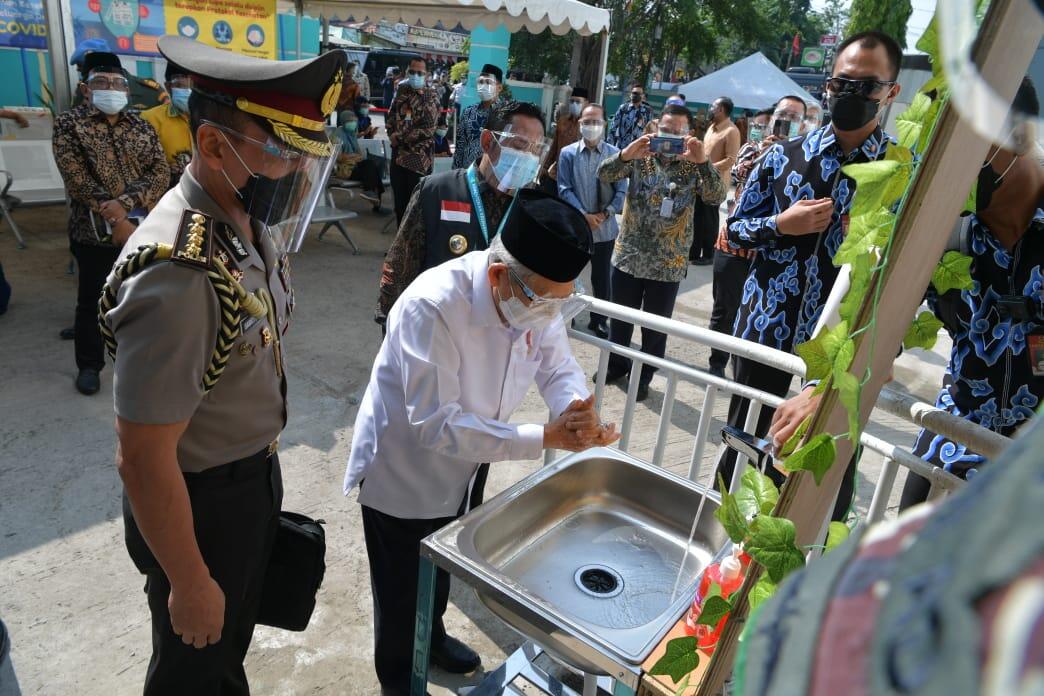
{"points": [[465, 342]]}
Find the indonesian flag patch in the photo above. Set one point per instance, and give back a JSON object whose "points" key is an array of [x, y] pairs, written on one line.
{"points": [[454, 211]]}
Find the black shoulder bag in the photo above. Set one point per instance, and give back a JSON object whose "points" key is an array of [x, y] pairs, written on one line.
{"points": [[295, 572]]}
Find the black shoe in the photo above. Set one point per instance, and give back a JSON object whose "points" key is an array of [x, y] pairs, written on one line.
{"points": [[717, 370], [88, 382], [610, 376], [643, 392], [67, 334], [703, 262], [454, 657], [598, 329]]}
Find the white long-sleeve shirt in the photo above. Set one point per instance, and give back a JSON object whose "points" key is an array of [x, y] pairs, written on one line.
{"points": [[446, 380]]}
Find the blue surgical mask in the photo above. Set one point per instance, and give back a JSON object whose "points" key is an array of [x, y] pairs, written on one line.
{"points": [[417, 81], [364, 111], [515, 168], [441, 132], [109, 101], [179, 97]]}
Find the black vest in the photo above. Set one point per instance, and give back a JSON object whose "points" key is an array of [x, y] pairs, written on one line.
{"points": [[448, 239]]}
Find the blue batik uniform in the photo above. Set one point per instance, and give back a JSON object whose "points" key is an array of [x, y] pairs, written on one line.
{"points": [[995, 377], [791, 276]]}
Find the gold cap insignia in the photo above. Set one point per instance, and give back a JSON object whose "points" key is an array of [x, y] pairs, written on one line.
{"points": [[333, 94], [266, 336], [458, 244]]}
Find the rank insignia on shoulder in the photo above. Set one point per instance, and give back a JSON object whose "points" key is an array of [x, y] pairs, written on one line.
{"points": [[458, 244], [194, 245], [232, 242]]}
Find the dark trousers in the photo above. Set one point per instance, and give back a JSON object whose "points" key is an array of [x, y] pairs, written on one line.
{"points": [[93, 264], [366, 173], [704, 230], [393, 548], [235, 510], [601, 275], [730, 273], [653, 296], [769, 379], [403, 181]]}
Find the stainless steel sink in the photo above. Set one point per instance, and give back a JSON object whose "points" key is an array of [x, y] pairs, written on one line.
{"points": [[583, 557]]}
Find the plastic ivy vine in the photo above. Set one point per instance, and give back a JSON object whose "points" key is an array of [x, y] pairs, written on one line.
{"points": [[880, 187]]}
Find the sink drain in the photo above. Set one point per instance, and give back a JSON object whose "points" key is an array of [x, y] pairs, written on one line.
{"points": [[598, 581]]}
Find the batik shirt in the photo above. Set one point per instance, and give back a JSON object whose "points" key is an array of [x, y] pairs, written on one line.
{"points": [[100, 162], [791, 276], [651, 245], [745, 160], [995, 377], [411, 119], [472, 121], [628, 124]]}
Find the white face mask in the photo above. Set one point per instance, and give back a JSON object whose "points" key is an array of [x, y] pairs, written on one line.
{"points": [[515, 168], [592, 133], [109, 101], [487, 91], [533, 317]]}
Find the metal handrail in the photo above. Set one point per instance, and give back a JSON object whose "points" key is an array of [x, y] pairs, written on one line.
{"points": [[901, 405]]}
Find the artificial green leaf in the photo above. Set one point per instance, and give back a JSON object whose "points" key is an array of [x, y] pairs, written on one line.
{"points": [[714, 590], [908, 124], [972, 200], [929, 125], [683, 685], [954, 271], [879, 184], [937, 84], [730, 515], [763, 589], [858, 286], [929, 43], [771, 544], [757, 494], [899, 153], [844, 357], [820, 352], [816, 456], [848, 389], [679, 660], [837, 532], [865, 232], [790, 445], [714, 609], [922, 332]]}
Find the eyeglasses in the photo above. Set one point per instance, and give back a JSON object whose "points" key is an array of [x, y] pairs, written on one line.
{"points": [[578, 289], [415, 73], [636, 94], [268, 147], [486, 81], [865, 87], [592, 122], [181, 82], [102, 82]]}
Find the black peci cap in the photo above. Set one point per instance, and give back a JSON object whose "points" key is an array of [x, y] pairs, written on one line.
{"points": [[290, 99], [581, 92], [100, 60], [547, 235], [490, 69]]}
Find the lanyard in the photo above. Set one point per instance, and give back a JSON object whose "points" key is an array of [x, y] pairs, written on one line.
{"points": [[480, 208]]}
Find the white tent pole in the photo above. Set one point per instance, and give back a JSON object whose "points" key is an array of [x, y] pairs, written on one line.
{"points": [[299, 7], [602, 68]]}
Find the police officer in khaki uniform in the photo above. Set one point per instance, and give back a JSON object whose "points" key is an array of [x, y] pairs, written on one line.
{"points": [[194, 316]]}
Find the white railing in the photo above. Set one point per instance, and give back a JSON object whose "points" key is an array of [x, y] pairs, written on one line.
{"points": [[959, 430]]}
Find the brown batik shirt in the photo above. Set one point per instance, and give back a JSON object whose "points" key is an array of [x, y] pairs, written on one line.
{"points": [[101, 162], [411, 119]]}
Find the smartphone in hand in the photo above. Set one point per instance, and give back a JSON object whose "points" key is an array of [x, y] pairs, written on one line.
{"points": [[667, 146]]}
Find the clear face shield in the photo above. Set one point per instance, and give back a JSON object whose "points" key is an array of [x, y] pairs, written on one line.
{"points": [[283, 185], [786, 123], [516, 157]]}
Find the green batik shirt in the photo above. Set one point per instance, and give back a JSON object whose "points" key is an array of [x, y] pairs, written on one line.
{"points": [[655, 238]]}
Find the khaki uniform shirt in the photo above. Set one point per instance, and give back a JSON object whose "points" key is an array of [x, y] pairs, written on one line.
{"points": [[166, 321], [721, 145]]}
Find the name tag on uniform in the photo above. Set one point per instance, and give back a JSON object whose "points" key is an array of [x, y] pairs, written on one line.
{"points": [[454, 211], [666, 207]]}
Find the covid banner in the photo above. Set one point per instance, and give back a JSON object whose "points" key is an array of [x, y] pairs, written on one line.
{"points": [[22, 24], [133, 27]]}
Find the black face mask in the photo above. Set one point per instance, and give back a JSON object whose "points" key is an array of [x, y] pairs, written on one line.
{"points": [[265, 199], [850, 111], [636, 98], [987, 185]]}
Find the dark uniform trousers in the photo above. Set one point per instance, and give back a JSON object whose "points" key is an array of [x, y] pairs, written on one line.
{"points": [[730, 273], [93, 263], [769, 379], [704, 230], [403, 181], [235, 511], [601, 274], [653, 296], [393, 548]]}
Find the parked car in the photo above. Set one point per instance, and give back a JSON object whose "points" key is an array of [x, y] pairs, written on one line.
{"points": [[377, 64]]}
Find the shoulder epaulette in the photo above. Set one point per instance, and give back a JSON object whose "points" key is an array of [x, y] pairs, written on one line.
{"points": [[194, 244]]}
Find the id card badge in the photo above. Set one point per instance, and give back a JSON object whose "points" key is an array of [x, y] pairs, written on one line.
{"points": [[1035, 343], [666, 207]]}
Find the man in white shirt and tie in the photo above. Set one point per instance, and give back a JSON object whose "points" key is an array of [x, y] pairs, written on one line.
{"points": [[465, 342]]}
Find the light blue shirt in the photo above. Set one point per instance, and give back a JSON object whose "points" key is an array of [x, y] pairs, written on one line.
{"points": [[578, 184]]}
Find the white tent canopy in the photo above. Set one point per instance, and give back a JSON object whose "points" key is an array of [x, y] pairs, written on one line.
{"points": [[535, 15], [752, 83]]}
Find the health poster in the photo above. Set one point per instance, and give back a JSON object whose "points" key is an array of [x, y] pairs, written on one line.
{"points": [[243, 26], [22, 24], [130, 27]]}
